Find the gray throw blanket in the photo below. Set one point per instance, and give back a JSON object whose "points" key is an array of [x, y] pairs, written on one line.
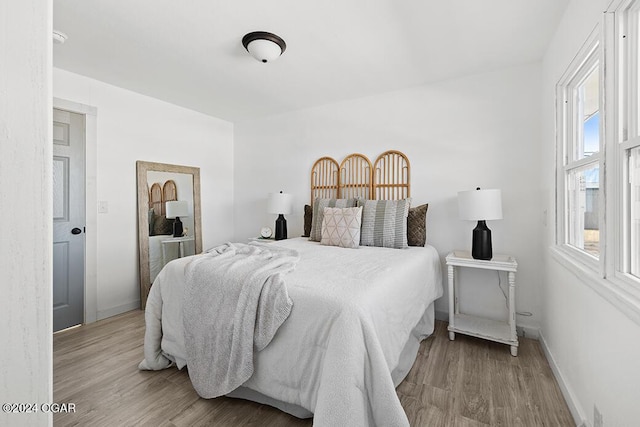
{"points": [[235, 298]]}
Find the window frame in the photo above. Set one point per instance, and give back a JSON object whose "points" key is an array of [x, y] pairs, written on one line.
{"points": [[624, 19], [590, 55]]}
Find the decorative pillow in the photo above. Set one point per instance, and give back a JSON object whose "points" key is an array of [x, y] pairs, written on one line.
{"points": [[152, 218], [417, 226], [308, 215], [318, 213], [384, 223], [162, 225], [341, 227]]}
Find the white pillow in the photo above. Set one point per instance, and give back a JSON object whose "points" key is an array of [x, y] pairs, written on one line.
{"points": [[318, 213], [341, 227]]}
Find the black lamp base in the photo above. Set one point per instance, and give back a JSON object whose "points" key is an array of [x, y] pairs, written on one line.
{"points": [[281, 228], [177, 227], [481, 246]]}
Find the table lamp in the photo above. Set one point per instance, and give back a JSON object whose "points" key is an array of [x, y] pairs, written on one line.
{"points": [[480, 205], [176, 209], [280, 204]]}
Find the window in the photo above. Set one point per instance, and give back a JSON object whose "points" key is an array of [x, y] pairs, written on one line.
{"points": [[598, 157], [626, 146], [579, 154], [634, 182]]}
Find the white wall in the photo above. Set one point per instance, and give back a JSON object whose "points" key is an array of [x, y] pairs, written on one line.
{"points": [[25, 197], [481, 130], [134, 127], [593, 346]]}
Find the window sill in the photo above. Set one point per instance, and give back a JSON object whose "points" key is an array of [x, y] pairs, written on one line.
{"points": [[623, 292]]}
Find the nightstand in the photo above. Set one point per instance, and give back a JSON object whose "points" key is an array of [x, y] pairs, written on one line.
{"points": [[262, 239], [502, 332], [179, 240]]}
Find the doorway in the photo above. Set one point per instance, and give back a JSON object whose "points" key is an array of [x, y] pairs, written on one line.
{"points": [[68, 219]]}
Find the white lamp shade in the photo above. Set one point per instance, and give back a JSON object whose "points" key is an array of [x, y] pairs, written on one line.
{"points": [[279, 203], [480, 205], [177, 208], [264, 50]]}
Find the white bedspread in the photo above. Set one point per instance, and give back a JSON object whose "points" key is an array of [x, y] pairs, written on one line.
{"points": [[353, 312], [235, 299]]}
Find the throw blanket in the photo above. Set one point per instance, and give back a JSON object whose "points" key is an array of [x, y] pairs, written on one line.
{"points": [[235, 298]]}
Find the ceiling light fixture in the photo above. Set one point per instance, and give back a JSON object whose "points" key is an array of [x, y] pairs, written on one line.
{"points": [[263, 46], [59, 37]]}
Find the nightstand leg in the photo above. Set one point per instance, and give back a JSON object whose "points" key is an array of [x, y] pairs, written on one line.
{"points": [[452, 304], [512, 311]]}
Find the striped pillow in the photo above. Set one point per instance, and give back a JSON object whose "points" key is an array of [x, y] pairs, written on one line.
{"points": [[384, 223], [318, 214]]}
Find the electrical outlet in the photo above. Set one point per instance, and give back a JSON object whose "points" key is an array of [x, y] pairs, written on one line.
{"points": [[597, 417]]}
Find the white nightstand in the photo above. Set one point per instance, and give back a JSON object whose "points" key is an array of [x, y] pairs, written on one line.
{"points": [[262, 239], [179, 240], [502, 332]]}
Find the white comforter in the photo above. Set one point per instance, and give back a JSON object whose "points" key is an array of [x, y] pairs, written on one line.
{"points": [[235, 300], [353, 312]]}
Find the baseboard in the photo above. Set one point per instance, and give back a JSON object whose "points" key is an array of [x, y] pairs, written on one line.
{"points": [[574, 407], [114, 311]]}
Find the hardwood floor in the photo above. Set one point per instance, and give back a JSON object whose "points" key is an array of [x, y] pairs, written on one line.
{"points": [[466, 382]]}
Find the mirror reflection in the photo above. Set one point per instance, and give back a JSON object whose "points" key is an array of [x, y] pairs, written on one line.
{"points": [[168, 217], [165, 242]]}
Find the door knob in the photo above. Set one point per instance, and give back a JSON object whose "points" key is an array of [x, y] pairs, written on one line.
{"points": [[76, 231]]}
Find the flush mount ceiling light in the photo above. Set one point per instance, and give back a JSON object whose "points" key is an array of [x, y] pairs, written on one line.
{"points": [[263, 46], [59, 37]]}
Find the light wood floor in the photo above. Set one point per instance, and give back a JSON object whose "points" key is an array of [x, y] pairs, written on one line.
{"points": [[466, 382]]}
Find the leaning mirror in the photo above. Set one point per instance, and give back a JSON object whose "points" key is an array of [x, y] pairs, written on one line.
{"points": [[169, 224]]}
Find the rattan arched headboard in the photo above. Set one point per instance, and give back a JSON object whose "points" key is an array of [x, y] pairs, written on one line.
{"points": [[391, 179], [324, 179], [160, 194], [387, 179], [354, 179]]}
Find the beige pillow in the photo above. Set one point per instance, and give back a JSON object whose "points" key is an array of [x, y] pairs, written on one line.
{"points": [[341, 227], [318, 212]]}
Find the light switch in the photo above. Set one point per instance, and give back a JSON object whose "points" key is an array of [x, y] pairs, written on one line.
{"points": [[103, 207]]}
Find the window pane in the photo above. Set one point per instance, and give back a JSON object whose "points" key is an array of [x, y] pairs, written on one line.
{"points": [[634, 175], [583, 186], [588, 140], [591, 135]]}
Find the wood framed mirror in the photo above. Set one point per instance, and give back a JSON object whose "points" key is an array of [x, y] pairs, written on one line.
{"points": [[159, 183]]}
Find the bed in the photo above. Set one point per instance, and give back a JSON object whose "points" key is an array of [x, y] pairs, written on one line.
{"points": [[357, 319]]}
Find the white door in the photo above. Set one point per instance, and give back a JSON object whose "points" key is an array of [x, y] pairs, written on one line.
{"points": [[68, 219]]}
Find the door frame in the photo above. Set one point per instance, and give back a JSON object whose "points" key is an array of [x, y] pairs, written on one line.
{"points": [[91, 203]]}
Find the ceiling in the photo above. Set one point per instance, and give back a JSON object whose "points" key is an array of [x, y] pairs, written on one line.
{"points": [[189, 52]]}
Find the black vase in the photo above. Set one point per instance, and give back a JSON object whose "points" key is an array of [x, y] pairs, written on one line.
{"points": [[481, 245], [281, 228], [177, 227]]}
